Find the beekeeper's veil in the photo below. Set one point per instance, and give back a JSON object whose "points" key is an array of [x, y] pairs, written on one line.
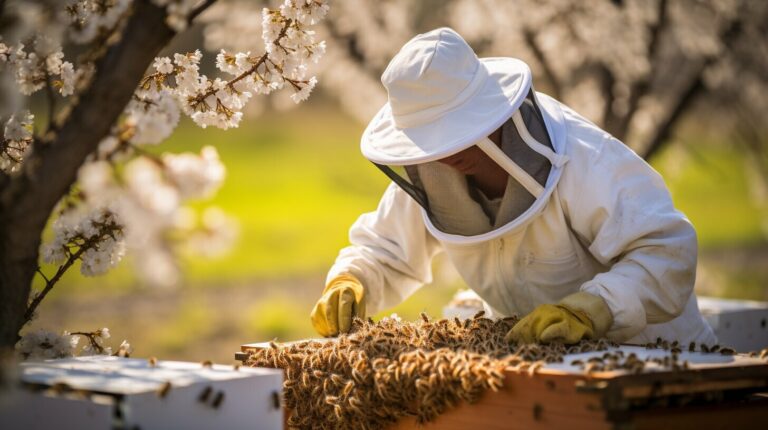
{"points": [[442, 100]]}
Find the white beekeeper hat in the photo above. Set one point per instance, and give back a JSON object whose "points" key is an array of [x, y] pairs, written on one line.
{"points": [[443, 99]]}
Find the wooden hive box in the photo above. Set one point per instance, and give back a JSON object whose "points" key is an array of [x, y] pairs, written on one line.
{"points": [[717, 391]]}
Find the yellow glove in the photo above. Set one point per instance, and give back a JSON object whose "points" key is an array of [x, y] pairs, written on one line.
{"points": [[578, 316], [342, 299]]}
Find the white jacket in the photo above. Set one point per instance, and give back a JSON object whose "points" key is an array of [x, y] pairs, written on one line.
{"points": [[608, 228]]}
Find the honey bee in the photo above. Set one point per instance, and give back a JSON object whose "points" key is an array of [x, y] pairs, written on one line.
{"points": [[164, 389], [218, 399], [205, 394]]}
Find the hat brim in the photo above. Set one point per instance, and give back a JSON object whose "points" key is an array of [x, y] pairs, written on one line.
{"points": [[502, 93]]}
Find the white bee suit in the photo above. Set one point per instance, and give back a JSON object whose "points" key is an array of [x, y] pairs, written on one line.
{"points": [[604, 224]]}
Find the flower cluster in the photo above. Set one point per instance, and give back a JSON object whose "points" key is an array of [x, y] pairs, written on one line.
{"points": [[152, 117], [41, 344], [17, 137], [217, 102], [94, 237], [149, 193], [34, 69]]}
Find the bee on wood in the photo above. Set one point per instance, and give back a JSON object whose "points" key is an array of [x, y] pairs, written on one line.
{"points": [[164, 389], [218, 399], [205, 394]]}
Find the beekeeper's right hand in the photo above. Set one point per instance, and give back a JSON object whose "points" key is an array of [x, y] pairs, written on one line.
{"points": [[342, 299]]}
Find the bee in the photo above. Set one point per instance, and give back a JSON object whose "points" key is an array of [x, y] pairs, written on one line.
{"points": [[60, 387], [164, 389], [535, 368], [205, 394], [207, 363], [152, 361], [218, 399]]}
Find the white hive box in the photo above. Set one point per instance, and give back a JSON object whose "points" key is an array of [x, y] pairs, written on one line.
{"points": [[103, 392], [740, 324]]}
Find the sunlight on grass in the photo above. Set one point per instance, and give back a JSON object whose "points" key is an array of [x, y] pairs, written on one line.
{"points": [[709, 184], [278, 317]]}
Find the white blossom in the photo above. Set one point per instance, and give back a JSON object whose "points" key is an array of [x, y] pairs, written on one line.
{"points": [[193, 175], [68, 76], [163, 65], [105, 255], [42, 344], [303, 93], [17, 137], [153, 117]]}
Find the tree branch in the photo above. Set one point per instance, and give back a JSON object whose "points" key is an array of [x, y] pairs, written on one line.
{"points": [[665, 127], [687, 97], [51, 96], [607, 82], [49, 283], [641, 87], [28, 199], [538, 53], [200, 9]]}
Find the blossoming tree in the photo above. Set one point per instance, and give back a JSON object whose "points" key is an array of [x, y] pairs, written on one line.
{"points": [[635, 67], [87, 166]]}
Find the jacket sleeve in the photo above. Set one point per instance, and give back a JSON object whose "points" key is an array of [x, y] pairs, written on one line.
{"points": [[391, 251], [621, 209]]}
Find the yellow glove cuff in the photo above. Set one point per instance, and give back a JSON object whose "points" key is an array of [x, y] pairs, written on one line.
{"points": [[594, 307]]}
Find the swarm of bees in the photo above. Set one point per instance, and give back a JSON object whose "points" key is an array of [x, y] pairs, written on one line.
{"points": [[380, 372]]}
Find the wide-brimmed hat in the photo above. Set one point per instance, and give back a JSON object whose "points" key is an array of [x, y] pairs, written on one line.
{"points": [[442, 99]]}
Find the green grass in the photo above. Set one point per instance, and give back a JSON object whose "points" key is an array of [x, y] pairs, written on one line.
{"points": [[710, 185]]}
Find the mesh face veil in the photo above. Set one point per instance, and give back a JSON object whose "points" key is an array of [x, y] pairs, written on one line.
{"points": [[454, 208]]}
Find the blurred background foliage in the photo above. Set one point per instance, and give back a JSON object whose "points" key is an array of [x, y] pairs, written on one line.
{"points": [[295, 183]]}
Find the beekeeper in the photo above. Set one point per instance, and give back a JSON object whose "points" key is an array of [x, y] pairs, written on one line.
{"points": [[543, 214]]}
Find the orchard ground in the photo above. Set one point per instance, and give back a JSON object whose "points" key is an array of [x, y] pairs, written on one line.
{"points": [[296, 183]]}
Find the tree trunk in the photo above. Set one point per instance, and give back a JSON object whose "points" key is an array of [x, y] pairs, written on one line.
{"points": [[27, 199]]}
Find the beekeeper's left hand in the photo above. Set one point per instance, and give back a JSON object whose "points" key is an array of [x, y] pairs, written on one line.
{"points": [[578, 316]]}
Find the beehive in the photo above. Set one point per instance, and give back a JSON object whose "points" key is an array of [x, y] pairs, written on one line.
{"points": [[406, 374]]}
